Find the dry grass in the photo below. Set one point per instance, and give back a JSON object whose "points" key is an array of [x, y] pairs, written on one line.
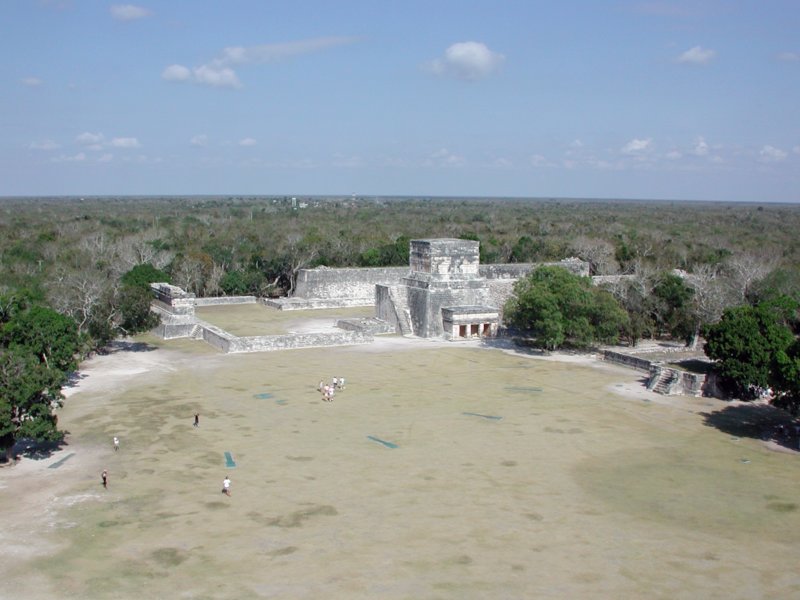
{"points": [[576, 492]]}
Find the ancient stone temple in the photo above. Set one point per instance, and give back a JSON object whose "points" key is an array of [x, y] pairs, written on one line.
{"points": [[444, 294]]}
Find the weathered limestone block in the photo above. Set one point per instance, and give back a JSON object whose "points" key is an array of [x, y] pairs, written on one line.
{"points": [[444, 259]]}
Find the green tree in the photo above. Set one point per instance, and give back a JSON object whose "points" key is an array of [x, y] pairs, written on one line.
{"points": [[134, 310], [38, 349], [143, 275], [557, 306], [747, 342], [786, 378], [672, 309], [48, 335]]}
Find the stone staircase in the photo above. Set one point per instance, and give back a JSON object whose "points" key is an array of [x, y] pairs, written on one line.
{"points": [[663, 380], [197, 332]]}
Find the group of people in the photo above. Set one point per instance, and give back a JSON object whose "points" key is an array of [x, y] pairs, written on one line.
{"points": [[328, 391]]}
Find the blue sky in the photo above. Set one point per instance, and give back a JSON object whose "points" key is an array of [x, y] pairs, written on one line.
{"points": [[664, 99]]}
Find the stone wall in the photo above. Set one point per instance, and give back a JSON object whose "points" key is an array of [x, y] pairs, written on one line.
{"points": [[627, 360], [224, 300], [268, 343], [351, 285], [325, 287]]}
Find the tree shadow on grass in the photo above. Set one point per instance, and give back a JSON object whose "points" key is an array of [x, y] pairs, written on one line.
{"points": [[757, 421], [127, 346], [505, 343], [34, 450]]}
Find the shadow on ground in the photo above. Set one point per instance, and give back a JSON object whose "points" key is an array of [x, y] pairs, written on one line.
{"points": [[758, 421], [127, 346], [35, 450]]}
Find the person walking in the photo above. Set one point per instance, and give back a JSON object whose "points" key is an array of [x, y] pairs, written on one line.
{"points": [[197, 419], [116, 443], [226, 486], [105, 478]]}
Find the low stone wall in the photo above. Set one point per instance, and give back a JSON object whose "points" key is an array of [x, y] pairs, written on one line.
{"points": [[268, 343], [216, 337], [172, 331], [371, 326], [627, 360], [520, 270], [223, 300], [295, 303], [676, 381]]}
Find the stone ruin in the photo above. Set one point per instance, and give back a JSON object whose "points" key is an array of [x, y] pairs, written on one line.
{"points": [[443, 295]]}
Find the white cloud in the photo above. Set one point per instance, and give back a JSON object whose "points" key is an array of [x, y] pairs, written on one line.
{"points": [[199, 140], [216, 76], [218, 72], [213, 75], [92, 141], [700, 147], [789, 56], [106, 158], [128, 12], [697, 56], [125, 142], [771, 154], [176, 73], [637, 147], [247, 142], [31, 82], [44, 145], [467, 60], [673, 155]]}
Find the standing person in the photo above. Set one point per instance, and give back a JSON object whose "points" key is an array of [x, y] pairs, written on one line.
{"points": [[116, 443], [335, 383], [321, 385], [341, 383], [197, 419], [105, 478], [226, 486]]}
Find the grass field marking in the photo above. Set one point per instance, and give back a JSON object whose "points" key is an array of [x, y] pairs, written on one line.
{"points": [[472, 414], [383, 442], [58, 463]]}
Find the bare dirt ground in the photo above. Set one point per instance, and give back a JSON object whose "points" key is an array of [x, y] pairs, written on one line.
{"points": [[442, 471]]}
